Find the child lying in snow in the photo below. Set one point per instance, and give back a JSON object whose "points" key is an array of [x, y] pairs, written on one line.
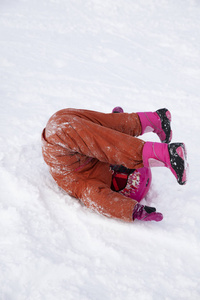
{"points": [[97, 158]]}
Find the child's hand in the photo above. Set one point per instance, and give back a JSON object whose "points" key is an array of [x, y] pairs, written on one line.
{"points": [[146, 213]]}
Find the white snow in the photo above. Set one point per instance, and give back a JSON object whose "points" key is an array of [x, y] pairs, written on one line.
{"points": [[94, 54]]}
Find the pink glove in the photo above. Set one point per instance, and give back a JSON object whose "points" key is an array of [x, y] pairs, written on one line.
{"points": [[146, 213]]}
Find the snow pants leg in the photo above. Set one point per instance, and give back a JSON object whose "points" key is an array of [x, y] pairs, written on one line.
{"points": [[80, 145]]}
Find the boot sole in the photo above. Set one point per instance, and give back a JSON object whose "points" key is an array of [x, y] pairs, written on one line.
{"points": [[178, 160], [165, 118]]}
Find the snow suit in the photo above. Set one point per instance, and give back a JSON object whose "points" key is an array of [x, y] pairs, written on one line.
{"points": [[80, 145]]}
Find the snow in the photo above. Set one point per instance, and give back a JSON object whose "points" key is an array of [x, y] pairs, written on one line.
{"points": [[94, 54]]}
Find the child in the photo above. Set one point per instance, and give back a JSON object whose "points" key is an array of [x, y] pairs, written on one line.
{"points": [[83, 150]]}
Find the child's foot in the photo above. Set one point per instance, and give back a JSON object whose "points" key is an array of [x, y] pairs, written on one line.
{"points": [[178, 161], [172, 156], [158, 122], [165, 134]]}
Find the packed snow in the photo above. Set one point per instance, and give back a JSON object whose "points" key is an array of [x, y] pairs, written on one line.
{"points": [[94, 54]]}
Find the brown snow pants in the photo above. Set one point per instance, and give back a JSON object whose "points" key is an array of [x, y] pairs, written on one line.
{"points": [[79, 146]]}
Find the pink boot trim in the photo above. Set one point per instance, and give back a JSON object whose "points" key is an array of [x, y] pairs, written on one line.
{"points": [[168, 114], [180, 152]]}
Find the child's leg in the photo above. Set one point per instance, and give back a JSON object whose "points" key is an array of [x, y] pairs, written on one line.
{"points": [[101, 136], [158, 122], [105, 137], [125, 123]]}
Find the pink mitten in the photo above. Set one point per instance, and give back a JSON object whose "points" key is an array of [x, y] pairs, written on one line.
{"points": [[146, 213]]}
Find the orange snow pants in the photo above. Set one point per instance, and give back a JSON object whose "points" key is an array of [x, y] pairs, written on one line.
{"points": [[80, 145]]}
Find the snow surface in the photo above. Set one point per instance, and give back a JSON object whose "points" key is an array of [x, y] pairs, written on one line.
{"points": [[95, 54]]}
